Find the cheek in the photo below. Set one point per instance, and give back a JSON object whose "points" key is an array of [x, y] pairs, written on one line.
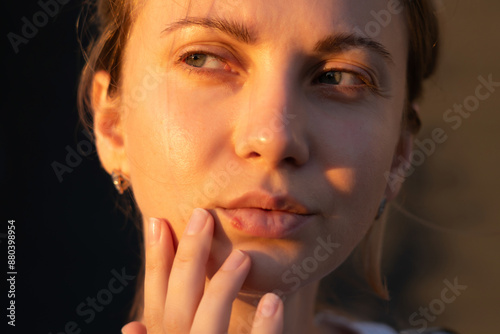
{"points": [[172, 142], [356, 157]]}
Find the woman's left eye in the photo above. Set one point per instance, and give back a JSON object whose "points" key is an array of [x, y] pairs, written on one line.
{"points": [[203, 60], [340, 78]]}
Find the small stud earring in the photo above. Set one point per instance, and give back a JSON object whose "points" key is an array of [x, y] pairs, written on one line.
{"points": [[120, 181], [381, 208]]}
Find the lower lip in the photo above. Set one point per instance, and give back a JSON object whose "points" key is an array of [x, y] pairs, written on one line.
{"points": [[265, 223]]}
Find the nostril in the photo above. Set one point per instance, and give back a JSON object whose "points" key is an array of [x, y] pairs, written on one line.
{"points": [[253, 154], [275, 148]]}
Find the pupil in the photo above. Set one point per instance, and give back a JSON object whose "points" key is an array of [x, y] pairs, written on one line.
{"points": [[332, 77], [196, 60]]}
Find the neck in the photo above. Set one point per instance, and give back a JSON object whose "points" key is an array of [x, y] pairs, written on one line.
{"points": [[298, 316]]}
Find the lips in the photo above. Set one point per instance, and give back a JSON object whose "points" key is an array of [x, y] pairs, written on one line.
{"points": [[262, 215]]}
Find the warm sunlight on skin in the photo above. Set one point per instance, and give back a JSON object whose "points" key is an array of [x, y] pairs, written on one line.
{"points": [[258, 96]]}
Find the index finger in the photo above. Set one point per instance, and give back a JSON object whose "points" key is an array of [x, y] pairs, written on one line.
{"points": [[159, 258]]}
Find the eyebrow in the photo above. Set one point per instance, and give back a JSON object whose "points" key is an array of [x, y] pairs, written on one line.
{"points": [[335, 43], [234, 29]]}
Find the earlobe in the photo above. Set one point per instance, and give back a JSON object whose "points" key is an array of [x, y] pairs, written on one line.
{"points": [[108, 125]]}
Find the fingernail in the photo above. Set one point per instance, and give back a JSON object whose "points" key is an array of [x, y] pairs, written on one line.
{"points": [[154, 230], [197, 221], [269, 305], [234, 260]]}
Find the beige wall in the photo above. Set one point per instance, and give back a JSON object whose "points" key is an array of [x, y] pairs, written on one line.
{"points": [[458, 186]]}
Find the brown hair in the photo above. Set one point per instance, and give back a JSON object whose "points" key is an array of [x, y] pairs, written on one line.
{"points": [[114, 18], [423, 51]]}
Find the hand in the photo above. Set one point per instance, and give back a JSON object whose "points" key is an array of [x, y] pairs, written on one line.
{"points": [[175, 298]]}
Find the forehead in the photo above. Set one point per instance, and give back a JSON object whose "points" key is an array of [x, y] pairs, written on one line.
{"points": [[376, 18], [296, 25]]}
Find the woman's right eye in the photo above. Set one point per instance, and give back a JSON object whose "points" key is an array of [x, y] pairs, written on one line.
{"points": [[203, 60]]}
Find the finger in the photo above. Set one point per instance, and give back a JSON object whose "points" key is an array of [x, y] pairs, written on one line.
{"points": [[159, 259], [187, 279], [134, 327], [214, 311], [269, 316]]}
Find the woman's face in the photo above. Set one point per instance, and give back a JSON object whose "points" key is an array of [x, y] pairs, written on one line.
{"points": [[278, 117]]}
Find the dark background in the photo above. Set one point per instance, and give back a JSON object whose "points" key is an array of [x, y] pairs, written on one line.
{"points": [[71, 235]]}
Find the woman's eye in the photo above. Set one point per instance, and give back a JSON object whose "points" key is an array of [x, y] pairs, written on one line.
{"points": [[204, 60], [340, 78]]}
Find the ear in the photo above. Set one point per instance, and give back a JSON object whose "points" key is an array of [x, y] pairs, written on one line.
{"points": [[401, 162], [108, 125]]}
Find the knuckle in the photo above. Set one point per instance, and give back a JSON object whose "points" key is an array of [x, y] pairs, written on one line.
{"points": [[175, 325], [184, 259], [153, 267], [219, 286], [151, 321], [221, 291]]}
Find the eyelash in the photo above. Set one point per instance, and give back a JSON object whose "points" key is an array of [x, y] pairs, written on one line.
{"points": [[367, 84], [199, 70]]}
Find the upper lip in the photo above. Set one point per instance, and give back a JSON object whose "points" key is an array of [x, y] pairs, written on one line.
{"points": [[265, 201]]}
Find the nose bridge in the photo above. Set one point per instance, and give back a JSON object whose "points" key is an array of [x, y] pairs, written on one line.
{"points": [[270, 100], [272, 87], [269, 129]]}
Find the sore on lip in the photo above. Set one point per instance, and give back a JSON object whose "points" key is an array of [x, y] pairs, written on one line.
{"points": [[265, 223]]}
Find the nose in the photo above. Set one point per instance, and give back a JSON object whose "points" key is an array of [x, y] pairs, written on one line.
{"points": [[272, 127]]}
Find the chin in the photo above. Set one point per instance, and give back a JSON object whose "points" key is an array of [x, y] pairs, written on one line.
{"points": [[279, 266]]}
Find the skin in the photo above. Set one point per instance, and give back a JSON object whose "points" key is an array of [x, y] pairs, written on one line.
{"points": [[264, 114]]}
